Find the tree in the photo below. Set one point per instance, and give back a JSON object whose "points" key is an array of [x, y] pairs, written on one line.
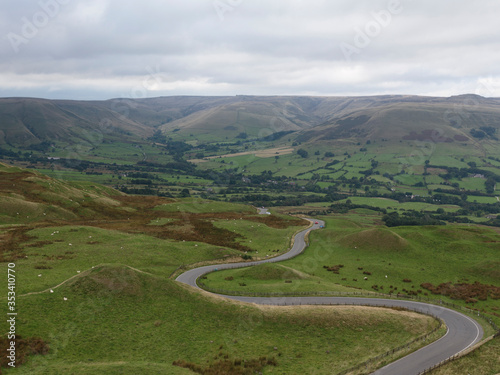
{"points": [[490, 185], [242, 135], [184, 193], [302, 153]]}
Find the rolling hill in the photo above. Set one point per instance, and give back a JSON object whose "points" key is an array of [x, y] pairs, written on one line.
{"points": [[98, 257], [28, 196], [27, 121], [436, 120], [357, 148]]}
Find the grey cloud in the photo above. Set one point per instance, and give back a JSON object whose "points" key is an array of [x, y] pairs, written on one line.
{"points": [[105, 48]]}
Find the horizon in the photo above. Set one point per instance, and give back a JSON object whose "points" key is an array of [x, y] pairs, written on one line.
{"points": [[252, 95]]}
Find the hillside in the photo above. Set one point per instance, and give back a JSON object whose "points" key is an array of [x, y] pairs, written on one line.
{"points": [[412, 119], [28, 196], [439, 151], [92, 258], [89, 259], [27, 121], [29, 199]]}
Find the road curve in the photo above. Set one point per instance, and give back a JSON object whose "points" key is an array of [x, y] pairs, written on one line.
{"points": [[463, 332]]}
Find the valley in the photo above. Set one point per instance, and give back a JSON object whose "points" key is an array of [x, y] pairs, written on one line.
{"points": [[104, 204]]}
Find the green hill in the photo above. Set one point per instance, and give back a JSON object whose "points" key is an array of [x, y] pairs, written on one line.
{"points": [[93, 270], [439, 120], [26, 121], [380, 146], [28, 196]]}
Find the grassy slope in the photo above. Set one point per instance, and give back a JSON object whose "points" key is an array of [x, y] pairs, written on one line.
{"points": [[27, 121], [393, 121], [421, 254], [118, 320], [28, 196], [269, 278]]}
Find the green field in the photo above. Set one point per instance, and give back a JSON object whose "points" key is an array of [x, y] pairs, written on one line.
{"points": [[114, 320], [57, 253], [391, 204], [90, 320], [264, 240], [269, 279], [95, 286], [393, 260], [480, 199]]}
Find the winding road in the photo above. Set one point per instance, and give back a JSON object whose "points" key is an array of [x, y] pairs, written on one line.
{"points": [[463, 332]]}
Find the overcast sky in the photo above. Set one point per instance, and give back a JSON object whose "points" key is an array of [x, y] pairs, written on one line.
{"points": [[101, 49]]}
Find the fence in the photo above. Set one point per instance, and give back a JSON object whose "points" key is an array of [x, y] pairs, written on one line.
{"points": [[486, 318], [459, 355], [376, 359], [374, 295]]}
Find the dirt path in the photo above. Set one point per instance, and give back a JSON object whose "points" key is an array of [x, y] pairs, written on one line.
{"points": [[81, 274]]}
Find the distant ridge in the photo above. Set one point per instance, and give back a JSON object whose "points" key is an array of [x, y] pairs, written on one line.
{"points": [[28, 121]]}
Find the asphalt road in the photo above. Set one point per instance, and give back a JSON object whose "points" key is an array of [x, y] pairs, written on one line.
{"points": [[463, 332]]}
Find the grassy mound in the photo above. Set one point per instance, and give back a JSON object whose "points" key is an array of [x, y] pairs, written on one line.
{"points": [[116, 281], [375, 239], [489, 269]]}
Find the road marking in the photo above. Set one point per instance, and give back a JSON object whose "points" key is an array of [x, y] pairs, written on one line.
{"points": [[478, 333], [416, 351]]}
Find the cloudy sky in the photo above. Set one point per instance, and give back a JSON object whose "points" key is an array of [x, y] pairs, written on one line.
{"points": [[100, 49]]}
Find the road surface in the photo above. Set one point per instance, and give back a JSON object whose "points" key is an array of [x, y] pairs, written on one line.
{"points": [[463, 332]]}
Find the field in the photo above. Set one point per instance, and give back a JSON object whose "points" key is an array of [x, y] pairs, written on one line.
{"points": [[393, 205], [58, 253], [354, 253], [91, 284], [114, 319], [385, 168], [97, 289], [269, 278], [264, 240]]}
